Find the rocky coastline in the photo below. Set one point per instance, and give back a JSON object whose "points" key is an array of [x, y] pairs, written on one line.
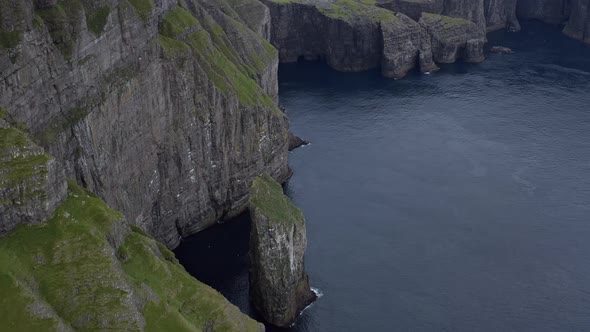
{"points": [[167, 111]]}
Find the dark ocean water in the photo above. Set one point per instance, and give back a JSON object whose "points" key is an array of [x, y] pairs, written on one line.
{"points": [[456, 201]]}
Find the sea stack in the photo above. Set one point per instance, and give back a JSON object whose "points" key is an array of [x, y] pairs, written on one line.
{"points": [[279, 286]]}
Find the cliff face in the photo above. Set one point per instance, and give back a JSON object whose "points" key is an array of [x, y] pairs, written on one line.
{"points": [[550, 11], [578, 26], [501, 14], [356, 36], [278, 282], [31, 183], [454, 38], [353, 35], [165, 112], [86, 270], [312, 31]]}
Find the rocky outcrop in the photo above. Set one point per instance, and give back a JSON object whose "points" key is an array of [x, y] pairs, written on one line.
{"points": [[279, 286], [31, 183], [501, 14], [295, 142], [406, 45], [87, 270], [354, 36], [471, 10], [345, 35], [574, 13], [549, 11], [454, 38], [487, 14], [501, 50], [166, 112], [578, 26]]}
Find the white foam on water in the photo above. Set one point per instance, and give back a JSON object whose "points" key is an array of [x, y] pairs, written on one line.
{"points": [[318, 292]]}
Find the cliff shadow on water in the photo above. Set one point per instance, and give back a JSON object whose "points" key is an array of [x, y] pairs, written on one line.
{"points": [[218, 257]]}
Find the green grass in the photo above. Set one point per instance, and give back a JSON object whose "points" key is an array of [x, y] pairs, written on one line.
{"points": [[10, 39], [65, 263], [267, 197], [349, 10], [172, 46], [97, 20], [20, 161], [143, 8], [176, 21], [65, 271], [63, 24]]}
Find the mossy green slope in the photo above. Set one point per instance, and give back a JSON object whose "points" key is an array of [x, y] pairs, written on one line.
{"points": [[181, 30], [67, 274], [267, 197]]}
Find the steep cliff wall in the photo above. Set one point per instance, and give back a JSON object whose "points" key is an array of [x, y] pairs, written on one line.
{"points": [[550, 11], [454, 38], [358, 35], [31, 182], [578, 26], [501, 14], [278, 282], [166, 112]]}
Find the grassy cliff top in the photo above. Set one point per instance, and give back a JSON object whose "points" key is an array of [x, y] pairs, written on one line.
{"points": [[267, 197], [67, 274], [20, 159], [445, 21], [349, 10]]}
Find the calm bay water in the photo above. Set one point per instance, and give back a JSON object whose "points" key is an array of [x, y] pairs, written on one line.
{"points": [[456, 201]]}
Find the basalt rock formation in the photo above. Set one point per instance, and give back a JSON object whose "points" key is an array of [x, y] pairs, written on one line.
{"points": [[31, 183], [549, 11], [279, 286], [454, 38], [166, 109], [578, 26], [354, 35]]}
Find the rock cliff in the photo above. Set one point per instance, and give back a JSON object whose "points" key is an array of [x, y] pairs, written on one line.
{"points": [[278, 282], [454, 38], [164, 108], [550, 11], [355, 35], [31, 183], [578, 26]]}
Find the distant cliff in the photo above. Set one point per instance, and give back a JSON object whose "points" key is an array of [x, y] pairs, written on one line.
{"points": [[359, 35]]}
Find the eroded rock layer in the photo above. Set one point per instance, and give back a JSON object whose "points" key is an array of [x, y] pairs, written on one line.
{"points": [[166, 109], [279, 286]]}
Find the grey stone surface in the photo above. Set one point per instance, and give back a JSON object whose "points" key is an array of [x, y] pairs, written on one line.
{"points": [[32, 184], [454, 38], [153, 134], [578, 26], [279, 286]]}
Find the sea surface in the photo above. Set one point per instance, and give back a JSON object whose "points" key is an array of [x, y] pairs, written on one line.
{"points": [[455, 201]]}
